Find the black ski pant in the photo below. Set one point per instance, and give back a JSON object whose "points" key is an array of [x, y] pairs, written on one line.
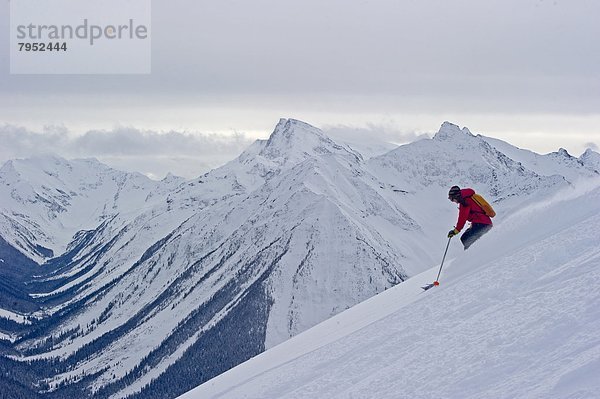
{"points": [[474, 233]]}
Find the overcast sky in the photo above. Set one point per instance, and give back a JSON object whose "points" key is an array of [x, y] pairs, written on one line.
{"points": [[224, 72]]}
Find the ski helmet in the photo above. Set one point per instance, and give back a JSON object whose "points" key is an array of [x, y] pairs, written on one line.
{"points": [[454, 193]]}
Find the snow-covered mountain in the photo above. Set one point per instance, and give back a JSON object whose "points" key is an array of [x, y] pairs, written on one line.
{"points": [[556, 163], [456, 156], [156, 287], [46, 200], [591, 159], [515, 317]]}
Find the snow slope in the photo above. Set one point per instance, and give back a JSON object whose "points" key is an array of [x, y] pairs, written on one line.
{"points": [[515, 316]]}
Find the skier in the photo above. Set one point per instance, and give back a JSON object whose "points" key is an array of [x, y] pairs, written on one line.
{"points": [[471, 211]]}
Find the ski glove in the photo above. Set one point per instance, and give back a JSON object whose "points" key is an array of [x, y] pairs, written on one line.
{"points": [[452, 233]]}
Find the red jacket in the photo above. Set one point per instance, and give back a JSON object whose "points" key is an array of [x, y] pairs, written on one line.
{"points": [[469, 210]]}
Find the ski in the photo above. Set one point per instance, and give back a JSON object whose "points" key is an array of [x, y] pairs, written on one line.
{"points": [[428, 286]]}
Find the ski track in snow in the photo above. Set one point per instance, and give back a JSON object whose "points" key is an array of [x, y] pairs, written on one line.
{"points": [[524, 324]]}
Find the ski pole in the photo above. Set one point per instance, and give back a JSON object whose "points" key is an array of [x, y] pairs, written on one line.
{"points": [[436, 282]]}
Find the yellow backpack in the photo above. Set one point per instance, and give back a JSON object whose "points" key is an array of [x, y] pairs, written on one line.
{"points": [[484, 205]]}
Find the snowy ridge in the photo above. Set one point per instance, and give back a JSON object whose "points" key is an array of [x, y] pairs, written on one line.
{"points": [[47, 199], [295, 230], [456, 156], [507, 321], [591, 159], [556, 163]]}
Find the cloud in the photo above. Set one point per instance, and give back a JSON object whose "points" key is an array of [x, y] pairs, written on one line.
{"points": [[383, 132], [153, 153], [447, 56]]}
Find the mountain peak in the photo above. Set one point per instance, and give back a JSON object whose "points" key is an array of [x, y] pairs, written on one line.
{"points": [[591, 159], [562, 152], [588, 153], [294, 140], [449, 130], [170, 178], [291, 130]]}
